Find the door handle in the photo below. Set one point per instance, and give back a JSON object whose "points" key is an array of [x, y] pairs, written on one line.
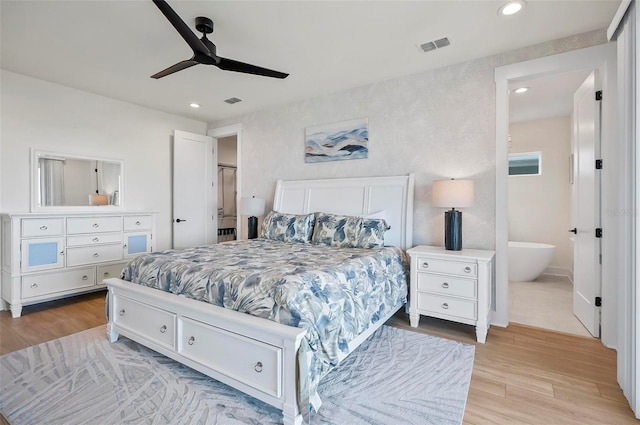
{"points": [[180, 220], [574, 231]]}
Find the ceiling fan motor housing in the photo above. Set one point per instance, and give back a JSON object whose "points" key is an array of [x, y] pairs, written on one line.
{"points": [[204, 25]]}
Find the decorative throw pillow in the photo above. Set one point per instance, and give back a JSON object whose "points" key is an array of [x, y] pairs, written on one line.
{"points": [[371, 233], [335, 230], [287, 227]]}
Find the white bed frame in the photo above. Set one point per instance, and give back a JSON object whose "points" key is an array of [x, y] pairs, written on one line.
{"points": [[251, 354]]}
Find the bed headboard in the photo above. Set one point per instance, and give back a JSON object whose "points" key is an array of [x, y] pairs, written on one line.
{"points": [[354, 196]]}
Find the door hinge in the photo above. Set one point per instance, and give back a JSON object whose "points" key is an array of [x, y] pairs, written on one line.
{"points": [[599, 95], [598, 164], [598, 232], [598, 301]]}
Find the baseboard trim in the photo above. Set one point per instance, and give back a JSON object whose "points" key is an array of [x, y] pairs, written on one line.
{"points": [[559, 271]]}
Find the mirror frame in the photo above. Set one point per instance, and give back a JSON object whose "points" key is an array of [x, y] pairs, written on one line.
{"points": [[34, 195]]}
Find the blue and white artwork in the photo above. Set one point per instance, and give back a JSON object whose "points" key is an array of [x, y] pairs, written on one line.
{"points": [[337, 142]]}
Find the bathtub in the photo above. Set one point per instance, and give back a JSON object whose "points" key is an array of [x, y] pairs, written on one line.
{"points": [[527, 260]]}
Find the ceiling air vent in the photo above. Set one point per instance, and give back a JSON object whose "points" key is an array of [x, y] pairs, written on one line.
{"points": [[232, 100], [435, 44]]}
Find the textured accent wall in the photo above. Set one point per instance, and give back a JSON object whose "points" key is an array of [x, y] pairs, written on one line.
{"points": [[437, 124]]}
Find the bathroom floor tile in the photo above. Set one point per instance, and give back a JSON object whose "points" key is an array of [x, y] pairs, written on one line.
{"points": [[546, 303]]}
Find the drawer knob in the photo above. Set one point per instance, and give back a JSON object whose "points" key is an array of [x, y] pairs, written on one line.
{"points": [[124, 246], [138, 223], [34, 285], [191, 340], [425, 265], [106, 274], [85, 277], [258, 367], [445, 285], [122, 312], [61, 252], [95, 225], [467, 269], [43, 227], [96, 240], [163, 329], [96, 255], [445, 306]]}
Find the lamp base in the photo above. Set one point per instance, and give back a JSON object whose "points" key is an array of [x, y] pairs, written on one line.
{"points": [[253, 227], [453, 230]]}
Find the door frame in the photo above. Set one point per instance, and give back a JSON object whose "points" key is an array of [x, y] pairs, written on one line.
{"points": [[615, 258], [226, 131]]}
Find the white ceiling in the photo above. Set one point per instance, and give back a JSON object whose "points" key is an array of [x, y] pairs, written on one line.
{"points": [[112, 47]]}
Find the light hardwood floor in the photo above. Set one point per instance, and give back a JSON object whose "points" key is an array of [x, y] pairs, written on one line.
{"points": [[522, 375]]}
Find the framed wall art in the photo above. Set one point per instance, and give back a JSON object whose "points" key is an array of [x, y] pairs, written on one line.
{"points": [[337, 141]]}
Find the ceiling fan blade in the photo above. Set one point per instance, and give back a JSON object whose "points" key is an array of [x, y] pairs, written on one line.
{"points": [[192, 40], [175, 68], [232, 65]]}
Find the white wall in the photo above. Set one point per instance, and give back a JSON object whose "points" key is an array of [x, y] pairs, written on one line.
{"points": [[51, 117], [436, 124], [540, 206]]}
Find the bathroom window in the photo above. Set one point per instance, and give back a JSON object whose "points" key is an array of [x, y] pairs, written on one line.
{"points": [[525, 164]]}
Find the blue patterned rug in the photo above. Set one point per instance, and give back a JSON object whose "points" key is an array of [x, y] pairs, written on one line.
{"points": [[395, 377]]}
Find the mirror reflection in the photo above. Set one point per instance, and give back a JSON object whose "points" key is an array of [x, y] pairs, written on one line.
{"points": [[65, 181]]}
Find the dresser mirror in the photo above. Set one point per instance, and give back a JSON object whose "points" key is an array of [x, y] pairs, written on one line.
{"points": [[75, 183]]}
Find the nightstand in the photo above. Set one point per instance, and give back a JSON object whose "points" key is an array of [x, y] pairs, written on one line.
{"points": [[451, 285]]}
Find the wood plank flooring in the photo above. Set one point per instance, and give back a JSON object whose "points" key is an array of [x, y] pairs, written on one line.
{"points": [[522, 375]]}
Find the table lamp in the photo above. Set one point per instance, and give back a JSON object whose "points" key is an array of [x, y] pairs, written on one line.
{"points": [[252, 207], [452, 194]]}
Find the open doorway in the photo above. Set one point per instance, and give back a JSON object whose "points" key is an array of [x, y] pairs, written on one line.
{"points": [[540, 201], [614, 260], [229, 181]]}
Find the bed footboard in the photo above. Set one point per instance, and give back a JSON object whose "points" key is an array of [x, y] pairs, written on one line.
{"points": [[251, 354]]}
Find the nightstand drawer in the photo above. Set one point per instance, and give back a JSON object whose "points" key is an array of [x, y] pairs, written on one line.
{"points": [[459, 268], [447, 285], [445, 305]]}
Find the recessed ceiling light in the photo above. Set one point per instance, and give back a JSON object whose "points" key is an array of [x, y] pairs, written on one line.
{"points": [[520, 90], [194, 105], [511, 8]]}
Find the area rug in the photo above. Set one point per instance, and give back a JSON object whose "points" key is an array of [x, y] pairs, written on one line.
{"points": [[395, 377]]}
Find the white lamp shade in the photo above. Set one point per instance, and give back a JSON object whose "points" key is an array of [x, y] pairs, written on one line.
{"points": [[452, 193], [252, 206]]}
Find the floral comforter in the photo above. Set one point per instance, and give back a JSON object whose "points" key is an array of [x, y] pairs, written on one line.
{"points": [[332, 293]]}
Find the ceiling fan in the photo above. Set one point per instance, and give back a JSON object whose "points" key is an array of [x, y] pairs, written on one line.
{"points": [[204, 51]]}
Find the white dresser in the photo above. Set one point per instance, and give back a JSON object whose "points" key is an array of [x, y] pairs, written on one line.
{"points": [[50, 256], [451, 285]]}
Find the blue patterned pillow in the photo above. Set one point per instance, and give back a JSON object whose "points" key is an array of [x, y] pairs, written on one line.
{"points": [[371, 234], [287, 227], [346, 231]]}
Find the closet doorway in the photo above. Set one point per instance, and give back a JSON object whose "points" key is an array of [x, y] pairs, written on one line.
{"points": [[229, 181]]}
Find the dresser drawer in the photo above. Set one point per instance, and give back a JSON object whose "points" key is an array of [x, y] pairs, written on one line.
{"points": [[109, 270], [143, 319], [447, 285], [78, 225], [95, 239], [249, 361], [137, 222], [93, 254], [436, 304], [43, 284], [34, 227], [460, 268]]}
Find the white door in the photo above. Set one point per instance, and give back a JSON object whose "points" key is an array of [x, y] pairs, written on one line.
{"points": [[194, 190], [587, 267]]}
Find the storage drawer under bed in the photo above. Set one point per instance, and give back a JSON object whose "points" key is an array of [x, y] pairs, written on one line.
{"points": [[252, 362], [150, 322]]}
